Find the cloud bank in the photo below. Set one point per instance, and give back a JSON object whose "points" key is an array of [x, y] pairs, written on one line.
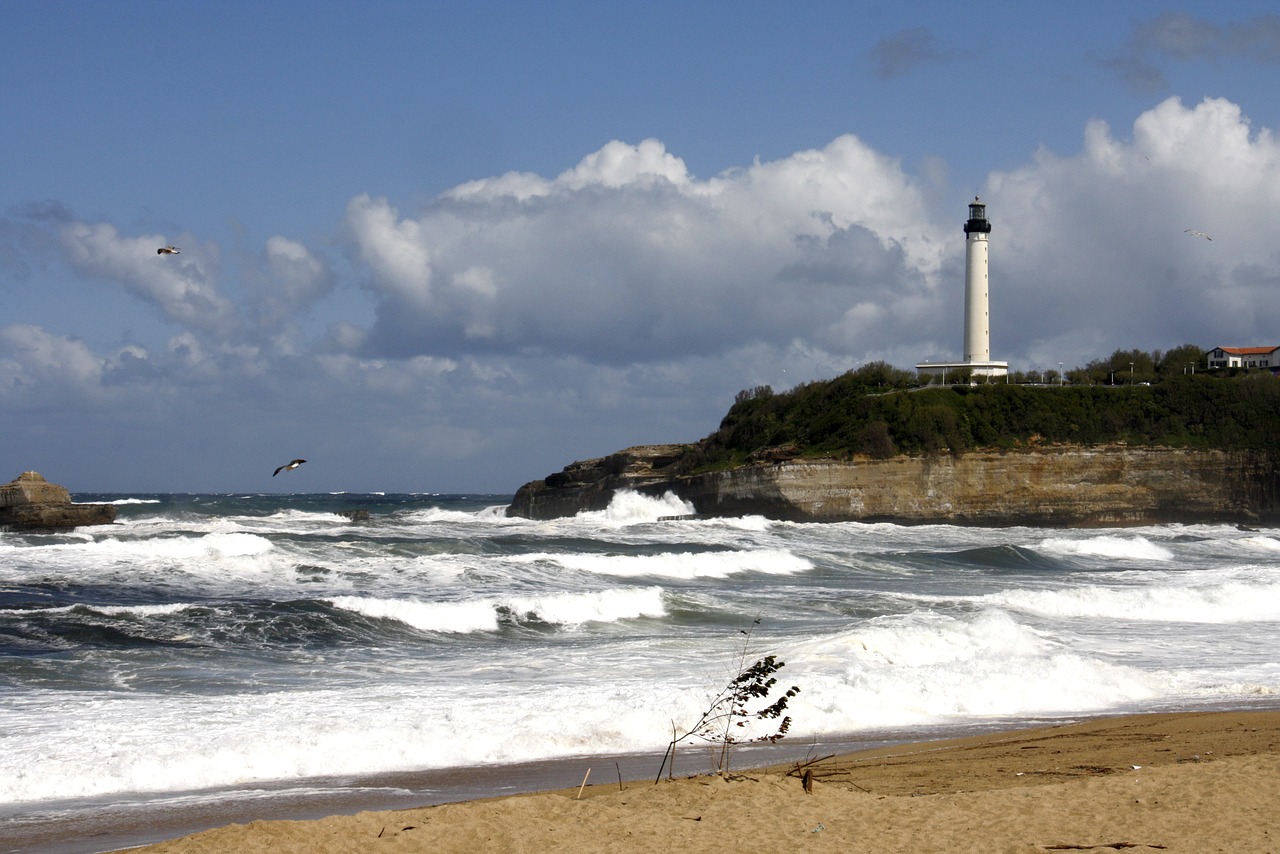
{"points": [[626, 257]]}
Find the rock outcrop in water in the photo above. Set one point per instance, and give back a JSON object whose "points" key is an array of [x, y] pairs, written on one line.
{"points": [[31, 503], [1060, 486], [590, 484]]}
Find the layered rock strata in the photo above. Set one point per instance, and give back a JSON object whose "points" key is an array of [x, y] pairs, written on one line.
{"points": [[31, 503], [1068, 486]]}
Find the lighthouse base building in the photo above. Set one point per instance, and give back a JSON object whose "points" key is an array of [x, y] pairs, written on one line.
{"points": [[977, 362], [943, 372]]}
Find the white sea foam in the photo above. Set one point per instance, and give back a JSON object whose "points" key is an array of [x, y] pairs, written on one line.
{"points": [[758, 524], [107, 610], [1119, 548], [205, 546], [605, 606], [483, 615], [1266, 544], [220, 558], [1228, 602], [628, 507], [496, 514], [174, 744], [1105, 624], [451, 617], [679, 564], [141, 610], [923, 668], [911, 670], [488, 516], [285, 521]]}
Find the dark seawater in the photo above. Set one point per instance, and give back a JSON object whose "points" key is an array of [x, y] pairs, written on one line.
{"points": [[208, 649]]}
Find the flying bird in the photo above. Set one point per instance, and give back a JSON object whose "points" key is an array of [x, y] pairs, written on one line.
{"points": [[1197, 233], [168, 250], [289, 466]]}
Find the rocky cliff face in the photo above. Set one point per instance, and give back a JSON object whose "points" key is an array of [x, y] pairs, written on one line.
{"points": [[31, 503], [590, 484], [1057, 487]]}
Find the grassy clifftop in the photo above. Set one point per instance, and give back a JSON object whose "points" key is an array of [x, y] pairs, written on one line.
{"points": [[875, 411]]}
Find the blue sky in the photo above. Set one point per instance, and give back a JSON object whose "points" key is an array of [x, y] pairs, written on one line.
{"points": [[455, 246]]}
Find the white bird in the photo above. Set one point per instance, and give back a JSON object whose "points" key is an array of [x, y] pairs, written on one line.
{"points": [[168, 250], [1197, 233], [289, 466]]}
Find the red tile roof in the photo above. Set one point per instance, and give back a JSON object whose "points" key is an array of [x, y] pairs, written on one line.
{"points": [[1247, 351]]}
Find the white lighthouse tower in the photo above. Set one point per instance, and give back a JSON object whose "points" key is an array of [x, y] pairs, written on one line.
{"points": [[977, 311], [977, 315]]}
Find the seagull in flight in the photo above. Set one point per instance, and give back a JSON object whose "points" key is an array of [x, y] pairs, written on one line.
{"points": [[1197, 233], [168, 250], [289, 466]]}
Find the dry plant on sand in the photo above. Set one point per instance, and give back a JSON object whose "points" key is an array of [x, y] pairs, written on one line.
{"points": [[727, 712]]}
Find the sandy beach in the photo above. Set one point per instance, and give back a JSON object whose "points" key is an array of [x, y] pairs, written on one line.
{"points": [[1185, 782]]}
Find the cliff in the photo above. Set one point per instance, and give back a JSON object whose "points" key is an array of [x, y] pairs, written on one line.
{"points": [[31, 503], [1058, 486], [590, 484]]}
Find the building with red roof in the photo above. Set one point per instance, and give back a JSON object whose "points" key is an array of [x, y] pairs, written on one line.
{"points": [[1245, 357]]}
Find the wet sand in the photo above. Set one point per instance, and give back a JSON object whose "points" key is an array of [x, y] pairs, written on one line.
{"points": [[1186, 782]]}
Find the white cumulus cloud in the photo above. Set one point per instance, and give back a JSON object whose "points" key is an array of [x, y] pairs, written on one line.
{"points": [[177, 285], [33, 356], [626, 256], [288, 278], [1095, 245]]}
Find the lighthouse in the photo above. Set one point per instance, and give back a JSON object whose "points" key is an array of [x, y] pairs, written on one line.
{"points": [[977, 308], [977, 316]]}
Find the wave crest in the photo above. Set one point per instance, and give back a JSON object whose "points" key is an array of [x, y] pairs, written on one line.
{"points": [[628, 507], [1120, 548], [711, 564], [486, 615]]}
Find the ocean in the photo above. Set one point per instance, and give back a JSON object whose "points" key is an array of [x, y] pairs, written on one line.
{"points": [[249, 649]]}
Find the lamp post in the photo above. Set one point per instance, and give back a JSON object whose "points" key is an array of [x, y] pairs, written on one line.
{"points": [[1131, 373]]}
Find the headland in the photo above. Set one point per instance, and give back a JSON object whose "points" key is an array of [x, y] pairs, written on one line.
{"points": [[868, 446]]}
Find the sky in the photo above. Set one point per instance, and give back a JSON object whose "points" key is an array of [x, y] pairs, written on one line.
{"points": [[453, 247]]}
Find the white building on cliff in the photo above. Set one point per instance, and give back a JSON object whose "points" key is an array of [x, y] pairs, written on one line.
{"points": [[977, 315]]}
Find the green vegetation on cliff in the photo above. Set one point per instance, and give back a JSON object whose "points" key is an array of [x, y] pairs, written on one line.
{"points": [[879, 411]]}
